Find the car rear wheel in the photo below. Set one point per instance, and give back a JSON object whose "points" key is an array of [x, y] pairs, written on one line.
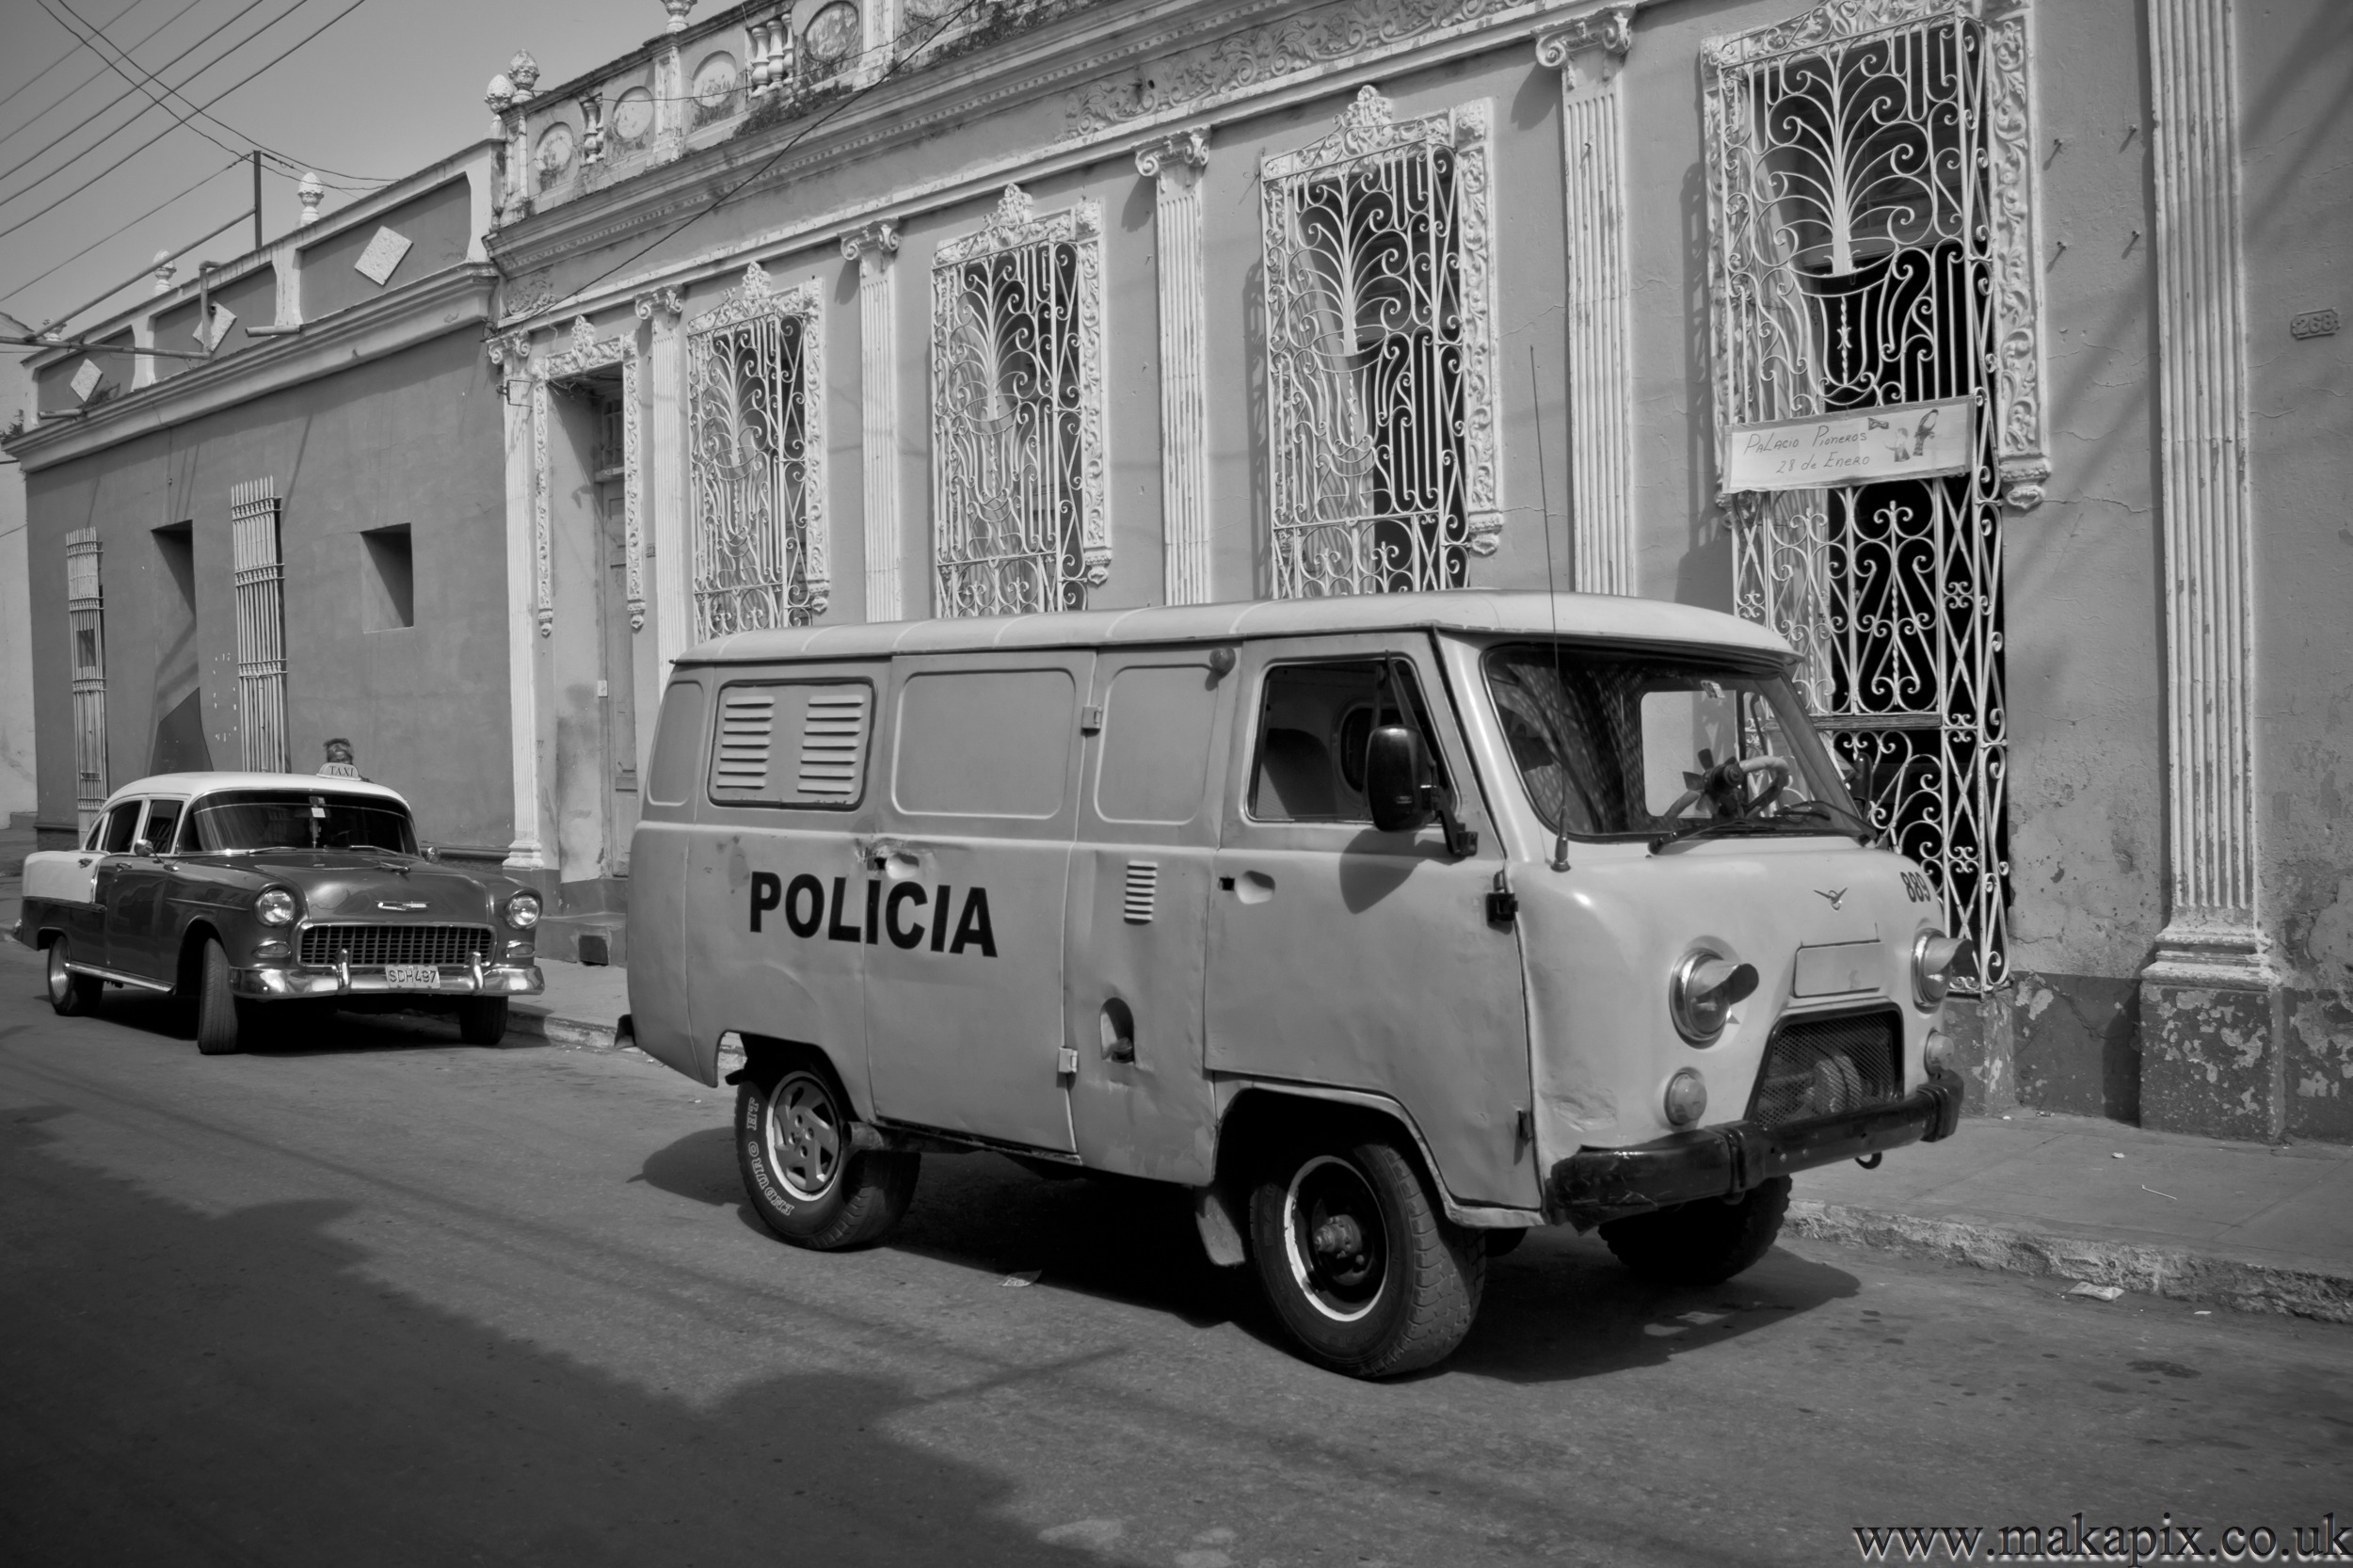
{"points": [[1704, 1242], [71, 993], [1361, 1266], [811, 1186], [222, 1019], [481, 1021]]}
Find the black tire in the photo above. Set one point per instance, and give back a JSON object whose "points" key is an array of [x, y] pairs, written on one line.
{"points": [[1704, 1242], [809, 1185], [71, 994], [220, 1017], [1360, 1264], [481, 1021]]}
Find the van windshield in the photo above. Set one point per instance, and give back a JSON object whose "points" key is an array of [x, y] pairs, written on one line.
{"points": [[1627, 745], [294, 819]]}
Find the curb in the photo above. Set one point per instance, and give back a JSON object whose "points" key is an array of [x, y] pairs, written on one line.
{"points": [[2175, 1273], [570, 1033]]}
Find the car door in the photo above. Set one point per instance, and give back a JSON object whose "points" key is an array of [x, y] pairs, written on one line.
{"points": [[1155, 738], [112, 888], [1364, 960], [139, 914], [963, 907]]}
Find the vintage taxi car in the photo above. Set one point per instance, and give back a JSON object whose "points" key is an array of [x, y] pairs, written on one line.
{"points": [[252, 894]]}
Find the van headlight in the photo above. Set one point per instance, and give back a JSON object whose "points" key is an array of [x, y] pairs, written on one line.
{"points": [[1702, 993], [522, 911], [274, 906], [1934, 958]]}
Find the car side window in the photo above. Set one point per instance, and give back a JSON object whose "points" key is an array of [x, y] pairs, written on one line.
{"points": [[1314, 723], [162, 825], [122, 825]]}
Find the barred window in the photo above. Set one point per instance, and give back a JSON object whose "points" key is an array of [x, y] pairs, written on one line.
{"points": [[85, 612], [261, 623], [756, 455], [1381, 384], [1017, 412]]}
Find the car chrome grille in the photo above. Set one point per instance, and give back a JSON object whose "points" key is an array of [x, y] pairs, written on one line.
{"points": [[1828, 1068], [374, 945]]}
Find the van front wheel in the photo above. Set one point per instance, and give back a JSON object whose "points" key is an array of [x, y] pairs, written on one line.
{"points": [[809, 1185], [1704, 1242], [1359, 1264]]}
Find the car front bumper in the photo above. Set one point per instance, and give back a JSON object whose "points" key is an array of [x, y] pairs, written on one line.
{"points": [[456, 980], [1594, 1185]]}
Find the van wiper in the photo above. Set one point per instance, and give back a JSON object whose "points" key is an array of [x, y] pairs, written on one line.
{"points": [[1708, 827], [1865, 833]]}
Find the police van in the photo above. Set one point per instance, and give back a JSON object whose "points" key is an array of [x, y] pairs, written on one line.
{"points": [[1390, 926]]}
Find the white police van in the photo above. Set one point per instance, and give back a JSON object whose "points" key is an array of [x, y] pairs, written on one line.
{"points": [[1391, 926]]}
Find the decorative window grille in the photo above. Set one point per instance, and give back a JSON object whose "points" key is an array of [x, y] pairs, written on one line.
{"points": [[84, 615], [1017, 473], [1381, 354], [261, 623], [1865, 167], [755, 369]]}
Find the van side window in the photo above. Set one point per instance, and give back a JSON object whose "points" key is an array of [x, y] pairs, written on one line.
{"points": [[791, 742], [122, 824], [984, 743], [677, 744], [1314, 723]]}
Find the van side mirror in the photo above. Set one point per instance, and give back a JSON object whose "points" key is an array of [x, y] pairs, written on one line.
{"points": [[1397, 779]]}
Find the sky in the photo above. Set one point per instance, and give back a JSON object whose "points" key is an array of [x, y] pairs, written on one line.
{"points": [[384, 90]]}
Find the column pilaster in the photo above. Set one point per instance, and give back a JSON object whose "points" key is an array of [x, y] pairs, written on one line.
{"points": [[875, 249], [665, 479], [1175, 164], [1589, 54], [510, 361]]}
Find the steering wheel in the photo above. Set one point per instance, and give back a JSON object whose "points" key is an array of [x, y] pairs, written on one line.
{"points": [[1728, 780]]}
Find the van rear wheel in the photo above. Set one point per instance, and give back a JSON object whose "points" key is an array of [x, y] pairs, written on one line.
{"points": [[1358, 1262], [810, 1186], [1704, 1242]]}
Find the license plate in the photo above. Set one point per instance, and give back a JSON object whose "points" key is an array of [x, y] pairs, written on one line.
{"points": [[423, 977]]}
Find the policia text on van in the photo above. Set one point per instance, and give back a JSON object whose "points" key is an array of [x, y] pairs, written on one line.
{"points": [[1391, 926]]}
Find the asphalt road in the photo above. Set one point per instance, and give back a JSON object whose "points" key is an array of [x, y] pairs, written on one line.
{"points": [[385, 1299]]}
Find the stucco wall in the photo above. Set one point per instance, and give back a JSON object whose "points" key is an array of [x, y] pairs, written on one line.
{"points": [[435, 225], [18, 788], [411, 439]]}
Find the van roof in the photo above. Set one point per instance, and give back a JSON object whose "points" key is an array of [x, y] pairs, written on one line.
{"points": [[1527, 613]]}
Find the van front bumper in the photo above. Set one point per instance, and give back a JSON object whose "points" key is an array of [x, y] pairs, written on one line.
{"points": [[1594, 1185], [456, 980]]}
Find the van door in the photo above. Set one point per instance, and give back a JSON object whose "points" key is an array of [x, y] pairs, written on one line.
{"points": [[964, 980], [1156, 739], [1364, 960]]}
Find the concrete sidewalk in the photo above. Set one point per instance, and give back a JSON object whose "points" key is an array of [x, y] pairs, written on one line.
{"points": [[579, 1008]]}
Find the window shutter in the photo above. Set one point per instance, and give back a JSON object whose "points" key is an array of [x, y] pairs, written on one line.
{"points": [[833, 738]]}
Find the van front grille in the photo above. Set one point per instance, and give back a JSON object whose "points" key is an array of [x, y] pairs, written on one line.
{"points": [[1828, 1068], [374, 945]]}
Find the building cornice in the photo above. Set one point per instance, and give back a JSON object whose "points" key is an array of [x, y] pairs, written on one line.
{"points": [[1093, 49], [448, 301]]}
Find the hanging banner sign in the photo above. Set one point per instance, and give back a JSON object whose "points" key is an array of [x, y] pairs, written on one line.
{"points": [[1861, 446]]}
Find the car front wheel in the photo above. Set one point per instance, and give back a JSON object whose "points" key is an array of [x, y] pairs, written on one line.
{"points": [[221, 1019], [71, 993], [481, 1021], [1359, 1263]]}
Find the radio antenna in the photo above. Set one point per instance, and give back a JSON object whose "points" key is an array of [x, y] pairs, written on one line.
{"points": [[1552, 601]]}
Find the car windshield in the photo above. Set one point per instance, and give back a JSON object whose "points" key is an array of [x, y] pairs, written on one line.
{"points": [[296, 818], [1626, 744]]}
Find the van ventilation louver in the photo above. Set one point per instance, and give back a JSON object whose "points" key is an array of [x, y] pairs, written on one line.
{"points": [[747, 720], [833, 738], [1144, 888]]}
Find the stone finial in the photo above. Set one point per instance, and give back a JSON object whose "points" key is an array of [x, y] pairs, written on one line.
{"points": [[677, 9], [309, 193], [499, 95], [165, 268], [524, 73], [591, 126]]}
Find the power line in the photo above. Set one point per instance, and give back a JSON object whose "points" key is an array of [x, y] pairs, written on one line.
{"points": [[175, 125], [70, 53], [126, 228], [41, 114]]}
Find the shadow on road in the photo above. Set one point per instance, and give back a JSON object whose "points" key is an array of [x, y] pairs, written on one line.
{"points": [[1557, 1309], [187, 1390], [301, 1029]]}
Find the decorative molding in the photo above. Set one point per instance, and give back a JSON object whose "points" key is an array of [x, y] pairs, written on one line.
{"points": [[1588, 54], [1325, 543], [2201, 402], [670, 302], [2020, 453], [586, 352], [1174, 164], [1832, 22], [872, 249], [1015, 226]]}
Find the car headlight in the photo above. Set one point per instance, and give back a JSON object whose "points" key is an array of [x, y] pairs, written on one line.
{"points": [[1934, 956], [1702, 993], [275, 906], [1686, 1098], [522, 911]]}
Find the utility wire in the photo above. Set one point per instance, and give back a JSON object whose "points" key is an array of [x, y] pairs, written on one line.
{"points": [[175, 125], [53, 143], [69, 55], [125, 228]]}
